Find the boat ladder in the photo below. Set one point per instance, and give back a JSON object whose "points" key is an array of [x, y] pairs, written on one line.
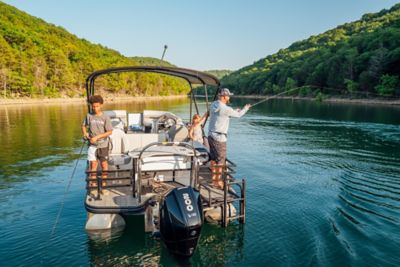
{"points": [[229, 195]]}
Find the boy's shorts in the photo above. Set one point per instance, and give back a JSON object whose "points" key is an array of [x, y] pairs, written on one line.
{"points": [[95, 153]]}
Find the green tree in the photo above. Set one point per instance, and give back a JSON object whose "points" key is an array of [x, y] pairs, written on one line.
{"points": [[387, 85], [290, 84], [351, 86], [268, 89], [276, 89], [360, 51], [37, 58]]}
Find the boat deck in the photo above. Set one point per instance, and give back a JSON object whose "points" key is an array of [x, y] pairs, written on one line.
{"points": [[116, 199], [112, 197]]}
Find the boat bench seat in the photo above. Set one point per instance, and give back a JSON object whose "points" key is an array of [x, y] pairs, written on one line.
{"points": [[122, 143], [117, 116], [120, 162], [140, 140]]}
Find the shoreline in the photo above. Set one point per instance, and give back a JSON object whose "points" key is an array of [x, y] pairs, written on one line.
{"points": [[82, 100], [112, 99], [372, 101]]}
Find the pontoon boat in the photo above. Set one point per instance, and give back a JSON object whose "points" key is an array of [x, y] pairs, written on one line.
{"points": [[155, 171]]}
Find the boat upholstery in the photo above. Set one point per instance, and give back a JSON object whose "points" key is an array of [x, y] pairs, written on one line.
{"points": [[119, 141], [135, 139], [135, 122], [140, 140], [117, 114], [178, 133], [164, 158]]}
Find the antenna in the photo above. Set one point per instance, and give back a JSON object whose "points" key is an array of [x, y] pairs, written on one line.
{"points": [[163, 54]]}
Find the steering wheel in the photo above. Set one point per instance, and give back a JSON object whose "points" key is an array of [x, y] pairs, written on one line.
{"points": [[165, 122]]}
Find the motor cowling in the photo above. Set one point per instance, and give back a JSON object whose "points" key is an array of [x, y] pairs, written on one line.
{"points": [[181, 219]]}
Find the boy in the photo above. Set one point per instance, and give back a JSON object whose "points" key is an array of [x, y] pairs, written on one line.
{"points": [[100, 128]]}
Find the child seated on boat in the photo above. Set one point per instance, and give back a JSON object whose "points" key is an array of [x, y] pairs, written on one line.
{"points": [[195, 132], [96, 128]]}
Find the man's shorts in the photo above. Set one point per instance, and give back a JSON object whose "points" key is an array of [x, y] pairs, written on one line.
{"points": [[217, 150], [95, 153]]}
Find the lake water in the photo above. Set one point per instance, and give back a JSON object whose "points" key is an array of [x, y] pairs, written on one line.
{"points": [[323, 190]]}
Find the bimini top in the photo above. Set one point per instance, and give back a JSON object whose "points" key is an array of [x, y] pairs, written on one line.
{"points": [[191, 76]]}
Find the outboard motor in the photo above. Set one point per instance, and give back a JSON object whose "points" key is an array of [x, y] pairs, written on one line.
{"points": [[181, 218]]}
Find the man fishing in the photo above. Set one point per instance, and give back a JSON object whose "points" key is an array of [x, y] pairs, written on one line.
{"points": [[220, 114]]}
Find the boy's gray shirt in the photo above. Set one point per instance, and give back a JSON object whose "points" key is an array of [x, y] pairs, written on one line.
{"points": [[219, 120], [98, 125]]}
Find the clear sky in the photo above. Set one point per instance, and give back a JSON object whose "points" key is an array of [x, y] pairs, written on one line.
{"points": [[203, 35]]}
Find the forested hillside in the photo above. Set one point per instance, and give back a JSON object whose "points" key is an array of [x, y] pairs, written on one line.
{"points": [[361, 57], [150, 61], [219, 73], [41, 59]]}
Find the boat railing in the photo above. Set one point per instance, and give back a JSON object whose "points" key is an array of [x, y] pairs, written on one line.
{"points": [[226, 171], [194, 166], [108, 179]]}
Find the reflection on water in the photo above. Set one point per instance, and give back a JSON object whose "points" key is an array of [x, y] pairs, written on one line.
{"points": [[122, 248], [36, 137], [134, 247], [323, 189], [221, 246]]}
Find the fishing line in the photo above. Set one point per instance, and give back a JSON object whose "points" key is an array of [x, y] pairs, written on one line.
{"points": [[65, 193], [62, 204], [315, 86]]}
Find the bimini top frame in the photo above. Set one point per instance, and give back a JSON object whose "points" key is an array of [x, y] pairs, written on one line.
{"points": [[191, 76]]}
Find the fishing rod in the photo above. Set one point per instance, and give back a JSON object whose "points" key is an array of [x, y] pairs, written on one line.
{"points": [[271, 97], [318, 87]]}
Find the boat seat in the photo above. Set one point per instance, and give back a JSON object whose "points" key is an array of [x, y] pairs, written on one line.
{"points": [[135, 122], [178, 133], [140, 140], [118, 141], [121, 162], [118, 157], [117, 115]]}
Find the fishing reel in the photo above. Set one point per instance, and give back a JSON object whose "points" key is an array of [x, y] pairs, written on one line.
{"points": [[86, 140]]}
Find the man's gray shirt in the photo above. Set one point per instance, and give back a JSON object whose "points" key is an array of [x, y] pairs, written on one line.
{"points": [[219, 120], [98, 125]]}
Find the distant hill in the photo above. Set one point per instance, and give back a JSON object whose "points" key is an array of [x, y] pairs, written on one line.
{"points": [[219, 73], [40, 59], [151, 61], [358, 57]]}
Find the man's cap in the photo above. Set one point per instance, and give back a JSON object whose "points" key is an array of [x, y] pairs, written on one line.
{"points": [[224, 92]]}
